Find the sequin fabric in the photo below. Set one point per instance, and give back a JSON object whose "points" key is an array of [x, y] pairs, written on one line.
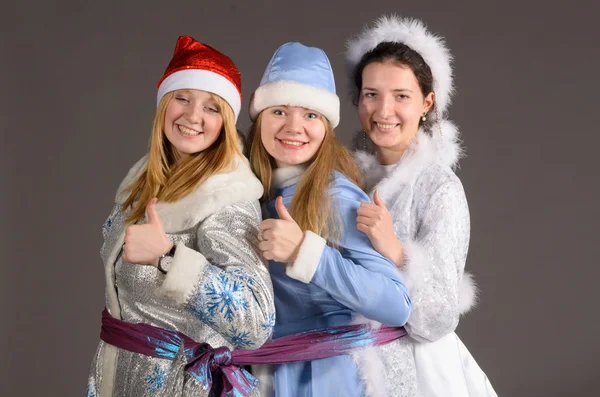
{"points": [[230, 305], [431, 219]]}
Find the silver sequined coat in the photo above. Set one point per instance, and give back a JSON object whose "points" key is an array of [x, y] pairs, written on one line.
{"points": [[431, 219], [217, 290]]}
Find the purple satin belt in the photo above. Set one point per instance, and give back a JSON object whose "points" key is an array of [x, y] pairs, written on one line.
{"points": [[217, 369]]}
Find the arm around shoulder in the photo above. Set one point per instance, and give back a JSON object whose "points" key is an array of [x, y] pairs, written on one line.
{"points": [[354, 273]]}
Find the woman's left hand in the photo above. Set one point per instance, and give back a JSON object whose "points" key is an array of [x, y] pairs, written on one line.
{"points": [[280, 239], [375, 221], [144, 244]]}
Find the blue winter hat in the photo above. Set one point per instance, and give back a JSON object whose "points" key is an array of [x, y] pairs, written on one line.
{"points": [[298, 75]]}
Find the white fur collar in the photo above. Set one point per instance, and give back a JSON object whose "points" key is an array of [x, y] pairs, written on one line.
{"points": [[287, 176], [441, 147], [212, 195]]}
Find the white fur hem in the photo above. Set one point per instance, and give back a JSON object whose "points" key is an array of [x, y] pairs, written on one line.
{"points": [[291, 93], [304, 267], [266, 379], [109, 370], [182, 278], [371, 370]]}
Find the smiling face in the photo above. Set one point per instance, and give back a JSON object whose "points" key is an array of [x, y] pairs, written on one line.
{"points": [[193, 121], [291, 135], [390, 105]]}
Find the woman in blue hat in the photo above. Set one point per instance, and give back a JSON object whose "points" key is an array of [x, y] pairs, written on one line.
{"points": [[325, 272]]}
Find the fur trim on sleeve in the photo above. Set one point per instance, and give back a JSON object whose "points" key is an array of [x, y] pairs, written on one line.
{"points": [[469, 294], [415, 270], [305, 266], [186, 269]]}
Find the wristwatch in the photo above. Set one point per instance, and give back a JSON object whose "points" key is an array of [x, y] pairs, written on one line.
{"points": [[165, 260]]}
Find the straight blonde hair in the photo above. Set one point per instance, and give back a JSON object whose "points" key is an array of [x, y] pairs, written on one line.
{"points": [[170, 177], [312, 206]]}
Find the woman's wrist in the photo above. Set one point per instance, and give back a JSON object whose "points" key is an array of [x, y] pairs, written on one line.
{"points": [[398, 257]]}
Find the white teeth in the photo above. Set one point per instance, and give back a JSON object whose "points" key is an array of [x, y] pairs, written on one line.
{"points": [[188, 131], [385, 126], [293, 143]]}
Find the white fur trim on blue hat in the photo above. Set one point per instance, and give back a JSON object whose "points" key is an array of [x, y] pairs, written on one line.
{"points": [[298, 75], [415, 35], [292, 93], [205, 80]]}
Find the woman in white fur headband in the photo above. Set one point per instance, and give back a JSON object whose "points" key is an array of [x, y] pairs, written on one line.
{"points": [[420, 219]]}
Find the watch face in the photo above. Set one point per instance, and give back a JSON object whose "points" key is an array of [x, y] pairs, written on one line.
{"points": [[164, 263]]}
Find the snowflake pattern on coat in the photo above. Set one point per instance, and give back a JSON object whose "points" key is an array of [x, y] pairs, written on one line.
{"points": [[199, 309], [239, 339], [156, 381], [225, 296], [244, 276], [270, 324], [91, 391]]}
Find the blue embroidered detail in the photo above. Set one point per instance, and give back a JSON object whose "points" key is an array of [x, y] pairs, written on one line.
{"points": [[239, 339], [156, 381], [106, 227], [91, 391], [243, 276], [225, 296], [268, 326], [199, 309]]}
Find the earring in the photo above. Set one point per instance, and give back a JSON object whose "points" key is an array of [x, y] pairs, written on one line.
{"points": [[364, 140], [423, 117]]}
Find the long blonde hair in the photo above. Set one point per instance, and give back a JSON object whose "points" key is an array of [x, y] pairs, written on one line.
{"points": [[170, 177], [311, 205]]}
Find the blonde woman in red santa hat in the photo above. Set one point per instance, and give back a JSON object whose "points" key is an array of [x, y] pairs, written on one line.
{"points": [[402, 77], [185, 282]]}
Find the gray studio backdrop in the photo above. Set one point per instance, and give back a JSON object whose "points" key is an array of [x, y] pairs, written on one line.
{"points": [[78, 97]]}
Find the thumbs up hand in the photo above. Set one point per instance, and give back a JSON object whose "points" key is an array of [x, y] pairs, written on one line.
{"points": [[280, 239], [376, 222], [144, 244]]}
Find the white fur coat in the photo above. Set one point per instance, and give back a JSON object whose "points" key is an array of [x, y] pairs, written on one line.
{"points": [[431, 219]]}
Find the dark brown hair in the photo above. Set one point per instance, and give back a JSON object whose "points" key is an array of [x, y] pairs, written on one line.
{"points": [[399, 54]]}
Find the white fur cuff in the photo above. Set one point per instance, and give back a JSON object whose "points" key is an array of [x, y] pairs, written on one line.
{"points": [[309, 255], [416, 265], [468, 293], [186, 269]]}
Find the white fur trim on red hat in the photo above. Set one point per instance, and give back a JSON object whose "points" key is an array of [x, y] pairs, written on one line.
{"points": [[205, 80], [415, 35], [292, 93]]}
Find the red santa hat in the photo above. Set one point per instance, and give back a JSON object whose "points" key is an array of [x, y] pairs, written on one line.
{"points": [[198, 66]]}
